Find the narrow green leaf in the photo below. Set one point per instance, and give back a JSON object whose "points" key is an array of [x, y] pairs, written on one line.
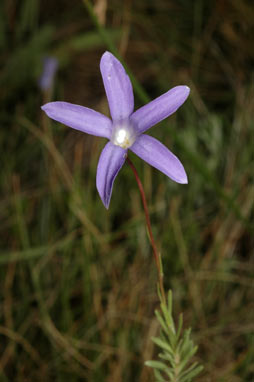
{"points": [[164, 345], [158, 376], [186, 344], [167, 357], [170, 339], [168, 318], [180, 325], [189, 377], [170, 298], [190, 368], [156, 365], [187, 357], [161, 321]]}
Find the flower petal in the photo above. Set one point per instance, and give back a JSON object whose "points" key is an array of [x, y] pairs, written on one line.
{"points": [[80, 118], [111, 160], [158, 156], [159, 109], [117, 86]]}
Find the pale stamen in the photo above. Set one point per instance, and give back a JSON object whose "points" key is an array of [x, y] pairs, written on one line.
{"points": [[123, 135]]}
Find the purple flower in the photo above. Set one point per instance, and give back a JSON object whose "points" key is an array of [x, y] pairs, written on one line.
{"points": [[126, 130], [50, 65]]}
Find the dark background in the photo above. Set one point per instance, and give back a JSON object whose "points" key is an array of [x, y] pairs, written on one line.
{"points": [[78, 282]]}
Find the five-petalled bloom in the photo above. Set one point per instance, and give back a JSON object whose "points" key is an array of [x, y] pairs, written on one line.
{"points": [[126, 129]]}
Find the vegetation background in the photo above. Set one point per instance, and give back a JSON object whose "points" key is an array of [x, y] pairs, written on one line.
{"points": [[78, 282]]}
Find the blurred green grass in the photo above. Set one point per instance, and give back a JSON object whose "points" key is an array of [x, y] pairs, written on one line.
{"points": [[78, 283]]}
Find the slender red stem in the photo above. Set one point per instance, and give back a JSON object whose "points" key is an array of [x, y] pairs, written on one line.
{"points": [[156, 253]]}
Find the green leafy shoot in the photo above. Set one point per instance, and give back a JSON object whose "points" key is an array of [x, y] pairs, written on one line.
{"points": [[177, 348]]}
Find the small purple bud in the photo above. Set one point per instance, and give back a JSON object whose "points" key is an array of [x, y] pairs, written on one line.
{"points": [[50, 66]]}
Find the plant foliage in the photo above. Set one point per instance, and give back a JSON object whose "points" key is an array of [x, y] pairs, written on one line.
{"points": [[177, 348]]}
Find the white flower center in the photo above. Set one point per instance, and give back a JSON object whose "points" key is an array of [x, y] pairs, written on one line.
{"points": [[123, 135]]}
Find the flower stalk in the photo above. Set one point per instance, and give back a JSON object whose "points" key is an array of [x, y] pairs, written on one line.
{"points": [[156, 253], [177, 348]]}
